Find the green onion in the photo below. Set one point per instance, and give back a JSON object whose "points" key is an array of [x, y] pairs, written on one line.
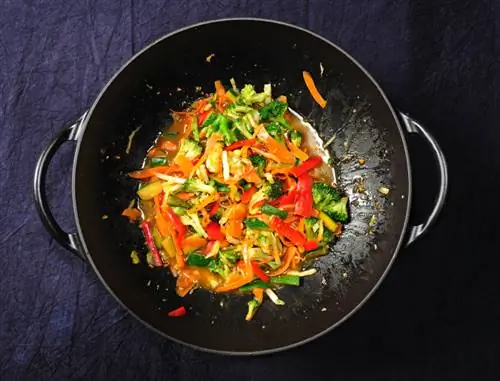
{"points": [[255, 223], [158, 160], [290, 280], [257, 283], [194, 259], [173, 133], [271, 210], [210, 119], [196, 131]]}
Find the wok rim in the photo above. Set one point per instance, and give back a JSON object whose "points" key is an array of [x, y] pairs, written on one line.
{"points": [[81, 132]]}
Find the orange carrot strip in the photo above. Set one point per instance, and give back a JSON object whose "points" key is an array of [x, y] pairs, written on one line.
{"points": [[290, 253], [311, 86], [299, 154], [150, 172], [132, 213], [258, 294]]}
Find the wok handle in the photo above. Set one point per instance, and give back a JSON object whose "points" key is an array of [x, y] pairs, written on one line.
{"points": [[413, 127], [67, 240]]}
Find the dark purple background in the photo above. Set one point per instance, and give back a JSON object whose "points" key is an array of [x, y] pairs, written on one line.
{"points": [[436, 317]]}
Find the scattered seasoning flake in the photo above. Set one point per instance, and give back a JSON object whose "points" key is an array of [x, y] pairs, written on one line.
{"points": [[329, 141], [321, 69], [344, 274], [323, 309], [384, 190], [209, 58], [105, 217], [130, 138], [197, 88], [375, 246], [373, 220], [323, 281], [149, 283], [362, 161], [135, 257]]}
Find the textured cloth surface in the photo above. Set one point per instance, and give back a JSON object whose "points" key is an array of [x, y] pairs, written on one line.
{"points": [[436, 315]]}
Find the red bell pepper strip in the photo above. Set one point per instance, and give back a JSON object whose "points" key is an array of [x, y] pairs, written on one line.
{"points": [[258, 272], [178, 225], [181, 311], [287, 231], [247, 195], [214, 232], [304, 204], [239, 144], [311, 245], [148, 234], [306, 166], [288, 198], [214, 209]]}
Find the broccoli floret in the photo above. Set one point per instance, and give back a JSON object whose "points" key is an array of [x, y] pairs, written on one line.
{"points": [[190, 149], [275, 130], [249, 96], [324, 195], [259, 162], [275, 111], [253, 306], [194, 221], [338, 211], [219, 267], [229, 257], [196, 185], [244, 127], [329, 200], [273, 191], [313, 226], [296, 138], [268, 191]]}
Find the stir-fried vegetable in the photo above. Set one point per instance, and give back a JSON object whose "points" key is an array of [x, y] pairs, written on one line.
{"points": [[229, 200]]}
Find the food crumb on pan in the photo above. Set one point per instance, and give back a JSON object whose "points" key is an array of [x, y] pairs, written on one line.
{"points": [[384, 190], [323, 309], [197, 89], [149, 283], [209, 57], [263, 327], [323, 281], [130, 138], [104, 217], [134, 257], [361, 161], [321, 69], [375, 246]]}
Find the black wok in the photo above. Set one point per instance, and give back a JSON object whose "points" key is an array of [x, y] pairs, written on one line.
{"points": [[165, 76]]}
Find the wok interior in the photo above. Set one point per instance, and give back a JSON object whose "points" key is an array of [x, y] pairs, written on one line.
{"points": [[166, 77]]}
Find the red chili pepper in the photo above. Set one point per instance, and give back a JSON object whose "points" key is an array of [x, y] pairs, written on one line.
{"points": [[304, 204], [310, 245], [161, 197], [214, 232], [214, 209], [288, 198], [181, 311], [178, 225], [202, 116], [239, 144], [306, 166], [148, 234], [259, 273], [247, 195], [287, 231]]}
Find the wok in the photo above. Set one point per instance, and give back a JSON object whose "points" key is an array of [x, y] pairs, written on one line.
{"points": [[166, 76]]}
